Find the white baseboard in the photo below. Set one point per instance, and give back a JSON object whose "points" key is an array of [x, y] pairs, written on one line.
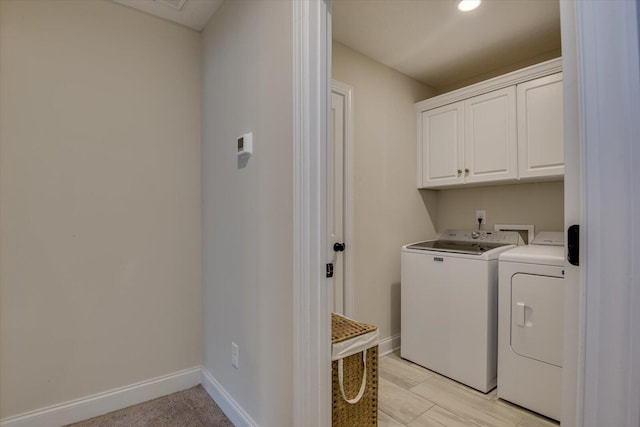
{"points": [[229, 406], [102, 403], [388, 345]]}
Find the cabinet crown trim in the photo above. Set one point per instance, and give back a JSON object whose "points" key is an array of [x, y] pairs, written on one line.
{"points": [[516, 77]]}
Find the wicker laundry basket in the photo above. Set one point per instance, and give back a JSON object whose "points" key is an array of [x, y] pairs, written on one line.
{"points": [[356, 402]]}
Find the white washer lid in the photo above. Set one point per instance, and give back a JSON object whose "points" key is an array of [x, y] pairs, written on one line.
{"points": [[535, 254]]}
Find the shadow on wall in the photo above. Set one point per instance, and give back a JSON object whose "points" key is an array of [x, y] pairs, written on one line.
{"points": [[394, 298], [242, 162], [539, 203], [429, 198]]}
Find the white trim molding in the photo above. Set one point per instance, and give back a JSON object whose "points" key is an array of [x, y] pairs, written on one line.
{"points": [[193, 14], [529, 73], [232, 409], [389, 345], [311, 313], [102, 403], [573, 341]]}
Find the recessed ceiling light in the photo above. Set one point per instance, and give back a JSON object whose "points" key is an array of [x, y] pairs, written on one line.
{"points": [[467, 5]]}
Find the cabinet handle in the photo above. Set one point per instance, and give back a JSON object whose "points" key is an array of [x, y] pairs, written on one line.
{"points": [[459, 171], [466, 170]]}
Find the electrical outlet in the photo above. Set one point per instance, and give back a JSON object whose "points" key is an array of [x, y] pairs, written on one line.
{"points": [[483, 215], [234, 355]]}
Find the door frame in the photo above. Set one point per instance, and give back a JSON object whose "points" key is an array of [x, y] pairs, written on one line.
{"points": [[349, 196], [601, 367], [311, 302], [572, 372], [587, 398]]}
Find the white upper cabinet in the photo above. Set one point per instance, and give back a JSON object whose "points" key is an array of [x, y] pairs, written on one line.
{"points": [[442, 154], [490, 145], [540, 128], [504, 129]]}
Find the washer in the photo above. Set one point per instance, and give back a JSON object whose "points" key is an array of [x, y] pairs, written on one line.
{"points": [[531, 313], [449, 298]]}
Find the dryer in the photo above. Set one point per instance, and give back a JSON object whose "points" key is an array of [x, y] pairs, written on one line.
{"points": [[530, 324]]}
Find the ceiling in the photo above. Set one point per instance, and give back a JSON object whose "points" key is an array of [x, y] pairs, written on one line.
{"points": [[429, 40], [191, 13], [433, 42]]}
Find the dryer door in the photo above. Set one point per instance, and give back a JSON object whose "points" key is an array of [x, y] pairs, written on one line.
{"points": [[537, 305]]}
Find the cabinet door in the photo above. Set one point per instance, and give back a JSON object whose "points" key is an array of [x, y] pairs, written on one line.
{"points": [[490, 136], [442, 132], [540, 128]]}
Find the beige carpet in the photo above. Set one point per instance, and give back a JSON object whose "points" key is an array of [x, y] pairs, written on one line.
{"points": [[188, 408]]}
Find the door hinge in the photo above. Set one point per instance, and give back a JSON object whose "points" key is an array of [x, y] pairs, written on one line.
{"points": [[330, 270]]}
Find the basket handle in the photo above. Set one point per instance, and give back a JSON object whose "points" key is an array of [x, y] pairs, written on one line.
{"points": [[364, 380]]}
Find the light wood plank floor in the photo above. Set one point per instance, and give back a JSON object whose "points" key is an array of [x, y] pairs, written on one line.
{"points": [[412, 396]]}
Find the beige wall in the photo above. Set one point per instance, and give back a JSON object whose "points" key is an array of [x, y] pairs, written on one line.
{"points": [[248, 207], [540, 204], [389, 210], [100, 200]]}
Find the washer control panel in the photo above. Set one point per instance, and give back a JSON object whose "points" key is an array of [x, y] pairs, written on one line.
{"points": [[502, 237]]}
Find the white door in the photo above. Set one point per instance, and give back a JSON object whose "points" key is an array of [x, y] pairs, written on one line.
{"points": [[491, 147], [336, 193], [340, 193]]}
